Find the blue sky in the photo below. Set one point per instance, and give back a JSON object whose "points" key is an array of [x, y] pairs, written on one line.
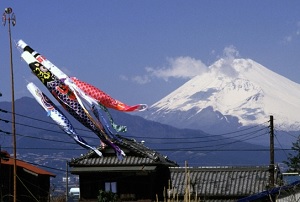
{"points": [[140, 51]]}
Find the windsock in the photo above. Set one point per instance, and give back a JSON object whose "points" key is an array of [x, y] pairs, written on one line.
{"points": [[58, 117], [105, 99], [41, 59], [66, 97], [95, 93]]}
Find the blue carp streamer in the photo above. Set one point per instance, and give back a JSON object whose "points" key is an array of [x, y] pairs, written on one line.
{"points": [[58, 117]]}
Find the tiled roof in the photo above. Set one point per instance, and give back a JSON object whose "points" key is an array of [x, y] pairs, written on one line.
{"points": [[112, 160], [136, 154], [221, 181], [280, 192], [28, 167]]}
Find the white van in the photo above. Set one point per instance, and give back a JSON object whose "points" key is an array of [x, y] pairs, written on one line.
{"points": [[74, 192]]}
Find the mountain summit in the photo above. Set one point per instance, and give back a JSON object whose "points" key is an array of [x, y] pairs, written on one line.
{"points": [[231, 94]]}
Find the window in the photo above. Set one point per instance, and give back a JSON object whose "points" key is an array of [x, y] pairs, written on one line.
{"points": [[111, 186]]}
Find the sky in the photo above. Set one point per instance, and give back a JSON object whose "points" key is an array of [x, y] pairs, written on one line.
{"points": [[140, 51]]}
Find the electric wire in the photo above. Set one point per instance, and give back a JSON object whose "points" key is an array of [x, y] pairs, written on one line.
{"points": [[130, 136], [211, 140], [49, 130], [43, 166], [160, 138], [216, 145], [288, 133], [173, 149], [173, 138], [39, 138], [31, 184], [46, 148], [151, 138], [31, 118], [27, 189], [208, 146], [245, 136], [200, 137], [184, 149], [280, 144], [37, 187], [150, 141]]}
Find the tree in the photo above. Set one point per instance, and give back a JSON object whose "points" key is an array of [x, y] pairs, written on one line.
{"points": [[293, 160], [105, 196]]}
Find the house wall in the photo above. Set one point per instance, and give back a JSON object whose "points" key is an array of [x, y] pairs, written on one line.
{"points": [[30, 187], [6, 178], [129, 185], [163, 180]]}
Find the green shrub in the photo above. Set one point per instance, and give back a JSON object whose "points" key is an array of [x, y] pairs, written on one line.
{"points": [[105, 196]]}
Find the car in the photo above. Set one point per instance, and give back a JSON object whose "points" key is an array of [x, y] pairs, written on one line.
{"points": [[74, 192]]}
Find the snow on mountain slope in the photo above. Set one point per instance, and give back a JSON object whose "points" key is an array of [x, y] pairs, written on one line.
{"points": [[239, 88]]}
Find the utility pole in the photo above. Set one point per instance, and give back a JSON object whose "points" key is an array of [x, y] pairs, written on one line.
{"points": [[0, 168], [9, 16], [272, 161], [67, 180]]}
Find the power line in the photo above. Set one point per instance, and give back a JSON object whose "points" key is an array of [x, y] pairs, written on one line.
{"points": [[31, 118], [223, 150], [286, 132], [244, 135], [193, 141], [186, 142], [281, 145], [49, 130], [130, 136], [202, 136], [151, 138], [233, 140], [39, 138], [222, 144], [163, 149], [47, 148]]}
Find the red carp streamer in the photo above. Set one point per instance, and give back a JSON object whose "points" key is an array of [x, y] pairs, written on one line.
{"points": [[105, 99]]}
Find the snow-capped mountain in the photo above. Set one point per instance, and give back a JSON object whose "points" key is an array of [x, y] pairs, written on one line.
{"points": [[231, 94]]}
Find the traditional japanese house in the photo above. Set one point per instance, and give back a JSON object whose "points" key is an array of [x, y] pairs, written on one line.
{"points": [[146, 175], [33, 183], [224, 183], [142, 175]]}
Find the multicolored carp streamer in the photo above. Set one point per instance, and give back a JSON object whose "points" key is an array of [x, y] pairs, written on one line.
{"points": [[58, 117], [74, 95], [105, 99], [41, 59], [68, 99], [80, 94], [89, 89]]}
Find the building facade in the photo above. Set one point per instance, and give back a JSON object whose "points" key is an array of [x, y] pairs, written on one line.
{"points": [[142, 175], [33, 183]]}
